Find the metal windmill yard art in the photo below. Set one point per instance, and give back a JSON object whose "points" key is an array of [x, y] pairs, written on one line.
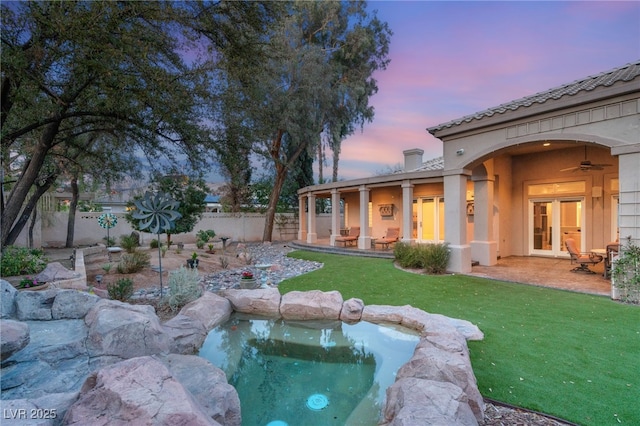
{"points": [[107, 221], [156, 213]]}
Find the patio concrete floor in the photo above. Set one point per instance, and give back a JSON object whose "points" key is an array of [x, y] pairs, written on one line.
{"points": [[539, 271]]}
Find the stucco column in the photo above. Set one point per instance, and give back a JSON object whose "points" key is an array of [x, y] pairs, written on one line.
{"points": [[484, 248], [335, 216], [407, 211], [302, 217], [364, 241], [455, 195], [312, 235], [629, 195]]}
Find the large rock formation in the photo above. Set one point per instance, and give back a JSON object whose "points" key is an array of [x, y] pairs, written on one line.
{"points": [[95, 361]]}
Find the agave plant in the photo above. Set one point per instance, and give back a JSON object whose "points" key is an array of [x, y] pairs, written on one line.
{"points": [[157, 213]]}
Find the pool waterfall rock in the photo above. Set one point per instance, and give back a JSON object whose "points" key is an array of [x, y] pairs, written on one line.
{"points": [[436, 385]]}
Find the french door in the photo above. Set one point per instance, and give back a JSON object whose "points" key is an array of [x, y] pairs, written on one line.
{"points": [[552, 221], [428, 214]]}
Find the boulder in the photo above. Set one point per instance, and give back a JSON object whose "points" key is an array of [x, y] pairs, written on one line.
{"points": [[412, 401], [383, 313], [208, 385], [264, 302], [54, 361], [351, 310], [139, 390], [56, 272], [445, 361], [14, 337], [35, 305], [7, 299], [72, 304], [185, 334], [311, 305], [125, 331], [210, 310]]}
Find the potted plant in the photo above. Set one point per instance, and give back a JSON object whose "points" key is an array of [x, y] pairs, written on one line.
{"points": [[248, 281], [193, 262], [211, 250]]}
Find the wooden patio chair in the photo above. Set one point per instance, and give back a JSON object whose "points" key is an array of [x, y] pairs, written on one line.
{"points": [[351, 238], [582, 259], [392, 236]]}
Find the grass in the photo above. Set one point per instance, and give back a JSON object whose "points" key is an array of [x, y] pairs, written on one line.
{"points": [[571, 355]]}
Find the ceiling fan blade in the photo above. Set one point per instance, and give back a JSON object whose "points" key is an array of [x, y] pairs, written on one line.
{"points": [[573, 169]]}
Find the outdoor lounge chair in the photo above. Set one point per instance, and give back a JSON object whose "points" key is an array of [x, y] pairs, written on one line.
{"points": [[351, 238], [392, 236], [612, 251], [582, 259]]}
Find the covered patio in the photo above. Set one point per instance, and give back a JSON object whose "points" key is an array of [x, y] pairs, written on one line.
{"points": [[531, 270]]}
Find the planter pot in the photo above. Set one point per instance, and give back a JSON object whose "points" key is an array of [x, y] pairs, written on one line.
{"points": [[249, 283], [192, 263]]}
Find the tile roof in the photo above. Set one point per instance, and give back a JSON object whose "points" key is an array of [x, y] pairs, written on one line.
{"points": [[608, 78], [429, 165]]}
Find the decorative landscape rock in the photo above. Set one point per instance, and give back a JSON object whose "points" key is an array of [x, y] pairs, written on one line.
{"points": [[311, 305], [125, 331], [351, 310], [55, 271], [412, 402], [71, 304], [14, 337], [7, 299], [436, 386], [139, 390], [264, 302], [209, 386], [35, 305]]}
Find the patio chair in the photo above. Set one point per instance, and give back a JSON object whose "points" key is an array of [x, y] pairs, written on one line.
{"points": [[351, 238], [612, 251], [582, 259], [392, 236]]}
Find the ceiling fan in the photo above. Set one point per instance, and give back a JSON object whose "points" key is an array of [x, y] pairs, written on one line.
{"points": [[586, 165]]}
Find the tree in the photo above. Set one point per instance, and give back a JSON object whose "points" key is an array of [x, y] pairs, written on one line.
{"points": [[315, 74], [127, 77]]}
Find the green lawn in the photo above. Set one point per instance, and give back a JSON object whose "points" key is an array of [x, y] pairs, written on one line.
{"points": [[571, 355]]}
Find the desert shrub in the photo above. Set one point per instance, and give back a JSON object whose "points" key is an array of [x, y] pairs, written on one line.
{"points": [[626, 273], [433, 258], [436, 258], [121, 290], [205, 236], [153, 244], [21, 261], [184, 287], [224, 262], [129, 243], [109, 241], [133, 262], [200, 243]]}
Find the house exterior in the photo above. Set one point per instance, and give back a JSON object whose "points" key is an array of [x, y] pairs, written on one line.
{"points": [[514, 180]]}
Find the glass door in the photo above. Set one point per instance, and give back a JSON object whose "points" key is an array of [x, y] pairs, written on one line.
{"points": [[551, 222], [429, 216]]}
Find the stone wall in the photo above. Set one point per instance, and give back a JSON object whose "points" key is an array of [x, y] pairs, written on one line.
{"points": [[69, 357]]}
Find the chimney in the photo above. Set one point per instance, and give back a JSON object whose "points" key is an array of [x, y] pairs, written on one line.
{"points": [[412, 159]]}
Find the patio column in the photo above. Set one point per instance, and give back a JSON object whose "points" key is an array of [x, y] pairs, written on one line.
{"points": [[455, 195], [629, 178], [407, 211], [312, 236], [302, 218], [364, 241], [484, 248], [335, 216]]}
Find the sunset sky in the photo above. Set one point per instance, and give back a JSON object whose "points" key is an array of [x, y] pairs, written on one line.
{"points": [[451, 59]]}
